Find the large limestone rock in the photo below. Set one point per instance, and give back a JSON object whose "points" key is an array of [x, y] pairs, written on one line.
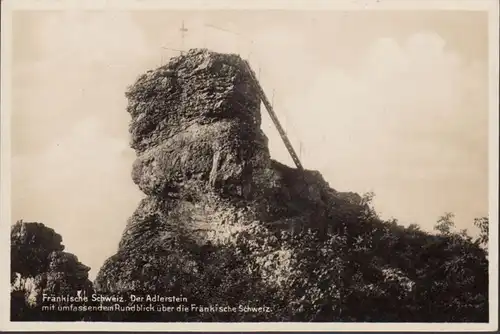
{"points": [[204, 164], [224, 224]]}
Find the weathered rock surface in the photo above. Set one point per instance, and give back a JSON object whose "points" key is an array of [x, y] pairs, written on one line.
{"points": [[224, 224]]}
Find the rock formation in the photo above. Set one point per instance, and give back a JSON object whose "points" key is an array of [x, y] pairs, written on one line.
{"points": [[224, 224]]}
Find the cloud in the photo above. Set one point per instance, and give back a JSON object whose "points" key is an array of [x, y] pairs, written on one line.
{"points": [[402, 124]]}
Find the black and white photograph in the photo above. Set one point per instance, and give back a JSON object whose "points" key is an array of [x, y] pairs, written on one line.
{"points": [[251, 164]]}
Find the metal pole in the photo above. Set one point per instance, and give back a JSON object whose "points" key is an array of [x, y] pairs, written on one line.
{"points": [[183, 30]]}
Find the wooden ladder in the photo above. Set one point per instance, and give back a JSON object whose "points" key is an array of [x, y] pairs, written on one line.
{"points": [[273, 116]]}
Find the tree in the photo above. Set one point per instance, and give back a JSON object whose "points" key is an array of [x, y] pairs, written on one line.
{"points": [[445, 223], [483, 225], [39, 265], [413, 228]]}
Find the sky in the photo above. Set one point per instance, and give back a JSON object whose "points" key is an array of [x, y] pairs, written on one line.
{"points": [[392, 102]]}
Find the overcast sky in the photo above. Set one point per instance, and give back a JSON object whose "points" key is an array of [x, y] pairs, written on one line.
{"points": [[390, 102]]}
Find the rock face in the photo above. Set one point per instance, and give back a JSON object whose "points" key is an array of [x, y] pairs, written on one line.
{"points": [[222, 223]]}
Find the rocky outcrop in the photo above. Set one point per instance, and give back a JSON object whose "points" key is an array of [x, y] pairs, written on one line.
{"points": [[224, 224]]}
